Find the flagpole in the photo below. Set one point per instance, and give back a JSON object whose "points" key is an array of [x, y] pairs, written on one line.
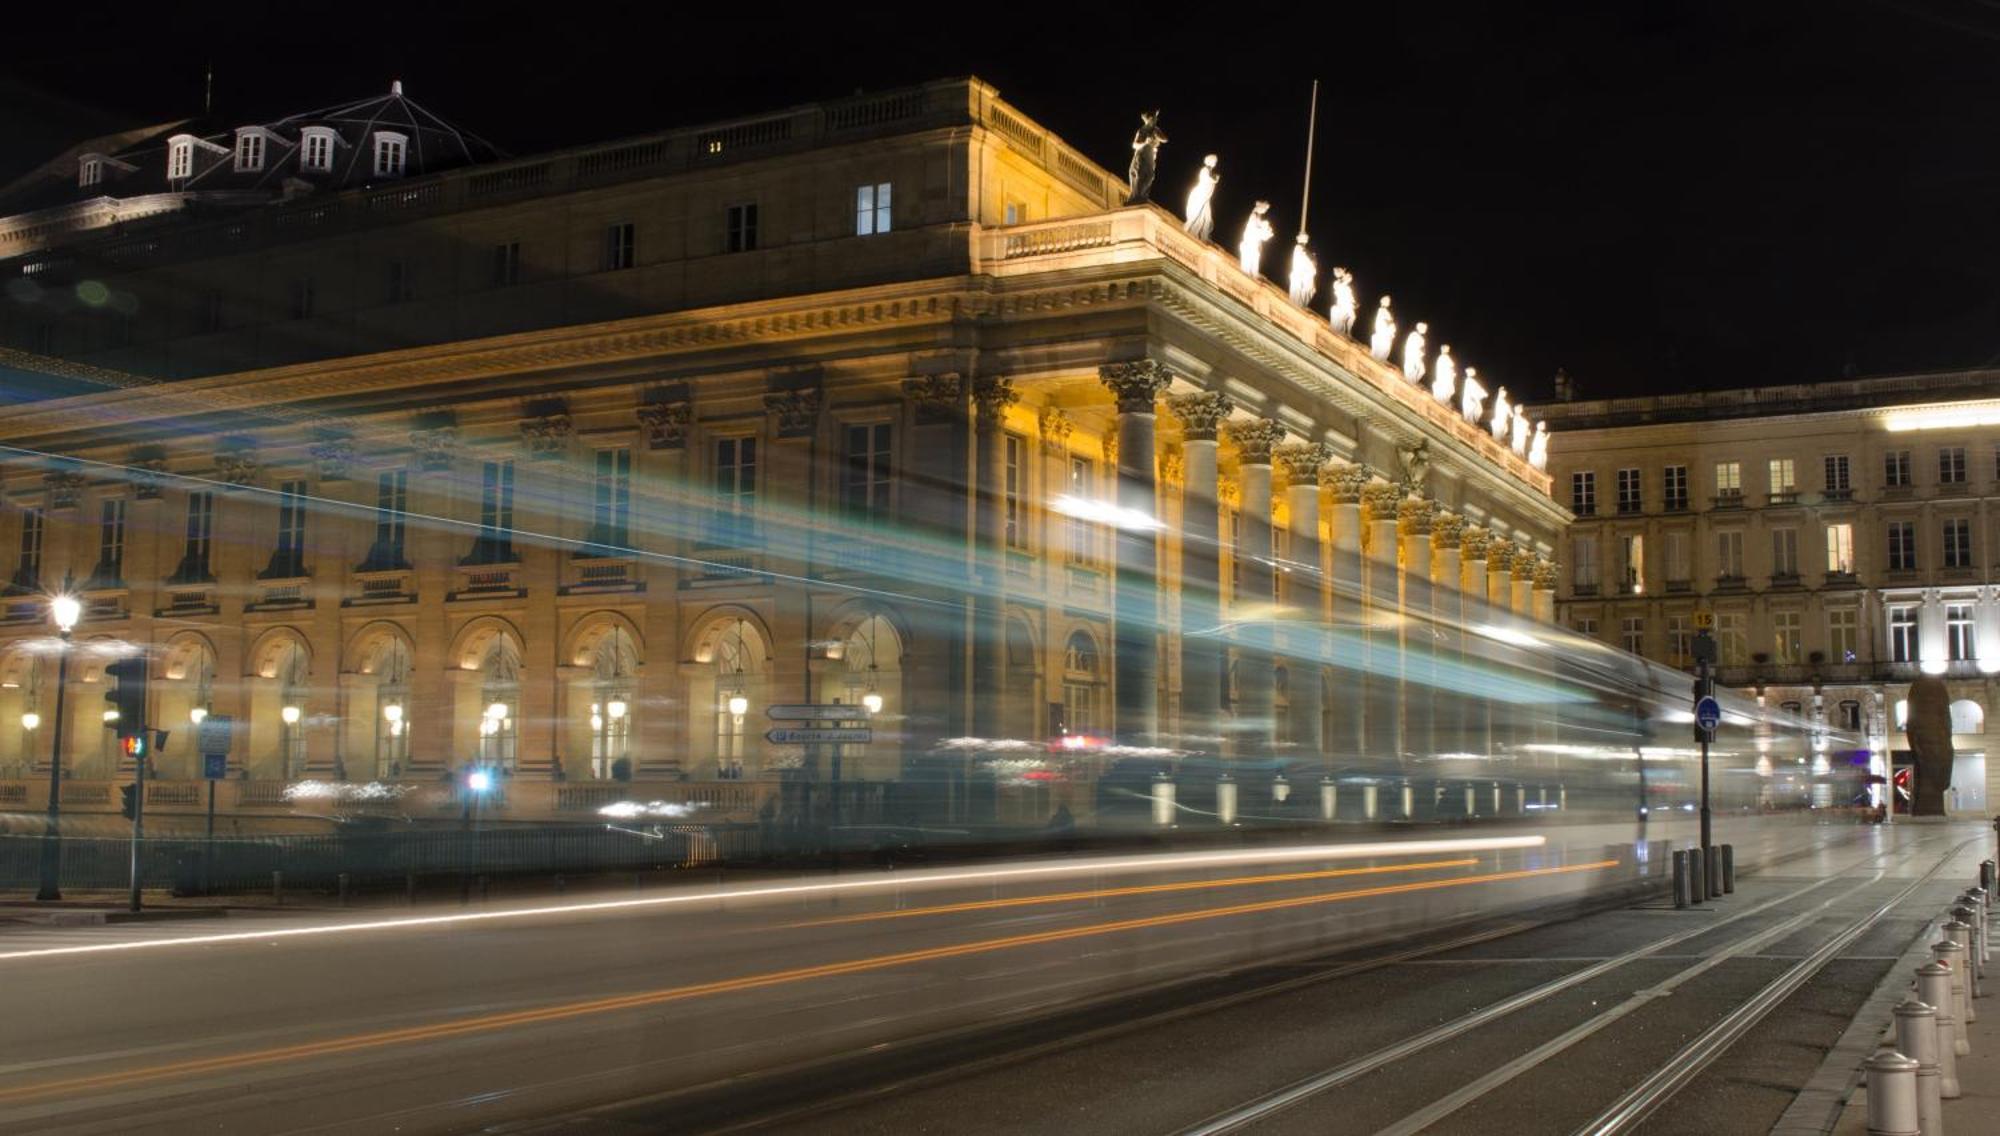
{"points": [[1312, 121]]}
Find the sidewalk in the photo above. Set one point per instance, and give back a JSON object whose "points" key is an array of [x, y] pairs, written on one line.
{"points": [[1974, 1113]]}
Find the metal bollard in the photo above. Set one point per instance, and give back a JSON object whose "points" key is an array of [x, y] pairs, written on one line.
{"points": [[1225, 799], [1979, 898], [1728, 869], [1712, 860], [1697, 878], [1934, 990], [1967, 916], [1680, 878], [343, 882], [1329, 798], [1163, 800], [1952, 955], [1917, 1039], [1987, 874], [278, 888], [1892, 1095]]}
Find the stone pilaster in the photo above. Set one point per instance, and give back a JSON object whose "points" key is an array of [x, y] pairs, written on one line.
{"points": [[1415, 516], [1201, 643], [1137, 387], [1305, 643], [992, 396], [1256, 598]]}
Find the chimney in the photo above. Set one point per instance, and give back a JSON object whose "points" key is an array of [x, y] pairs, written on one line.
{"points": [[396, 88]]}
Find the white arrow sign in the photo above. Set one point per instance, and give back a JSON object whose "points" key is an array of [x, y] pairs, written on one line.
{"points": [[812, 736]]}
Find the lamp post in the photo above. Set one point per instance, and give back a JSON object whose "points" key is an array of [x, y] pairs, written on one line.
{"points": [[65, 609]]}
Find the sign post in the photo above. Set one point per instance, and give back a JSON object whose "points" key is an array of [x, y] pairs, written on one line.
{"points": [[1707, 715], [212, 738]]}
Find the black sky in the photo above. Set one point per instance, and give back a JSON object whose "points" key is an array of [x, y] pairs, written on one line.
{"points": [[1654, 197]]}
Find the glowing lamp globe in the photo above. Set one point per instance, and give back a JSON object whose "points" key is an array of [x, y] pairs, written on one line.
{"points": [[290, 715], [65, 610], [872, 702], [30, 720], [616, 708], [479, 781], [197, 714], [739, 705], [393, 712], [497, 711]]}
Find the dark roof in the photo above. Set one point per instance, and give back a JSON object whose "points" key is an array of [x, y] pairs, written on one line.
{"points": [[1766, 402]]}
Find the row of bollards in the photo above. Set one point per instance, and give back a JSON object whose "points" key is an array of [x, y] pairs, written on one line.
{"points": [[1908, 1085], [1703, 874]]}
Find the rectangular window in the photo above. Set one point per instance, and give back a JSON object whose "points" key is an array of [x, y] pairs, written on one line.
{"points": [[611, 501], [1729, 555], [391, 509], [1951, 465], [1903, 634], [1732, 637], [1843, 637], [740, 228], [1583, 492], [506, 264], [289, 559], [1784, 552], [1958, 543], [1674, 487], [621, 246], [110, 543], [1785, 637], [1836, 476], [1958, 632], [1680, 641], [1016, 212], [735, 491], [1583, 563], [200, 531], [1631, 498], [92, 173], [1081, 534], [316, 151], [180, 160], [1902, 546], [1632, 635], [302, 297], [1584, 625], [249, 152], [1729, 479], [871, 209], [1840, 548], [1633, 564], [397, 286], [495, 542], [1784, 482], [390, 150], [1896, 468], [1015, 518], [1679, 569], [864, 474], [28, 572]]}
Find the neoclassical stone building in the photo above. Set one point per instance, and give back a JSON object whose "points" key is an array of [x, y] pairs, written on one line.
{"points": [[576, 464]]}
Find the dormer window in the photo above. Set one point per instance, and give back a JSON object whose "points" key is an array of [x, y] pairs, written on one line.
{"points": [[180, 157], [316, 149], [90, 171], [390, 149], [249, 150]]}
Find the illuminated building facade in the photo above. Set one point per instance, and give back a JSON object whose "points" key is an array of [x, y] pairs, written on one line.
{"points": [[1841, 533], [574, 465]]}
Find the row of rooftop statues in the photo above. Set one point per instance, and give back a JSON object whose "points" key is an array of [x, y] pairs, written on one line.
{"points": [[1506, 420]]}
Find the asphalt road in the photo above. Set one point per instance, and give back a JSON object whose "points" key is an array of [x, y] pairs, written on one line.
{"points": [[1061, 995]]}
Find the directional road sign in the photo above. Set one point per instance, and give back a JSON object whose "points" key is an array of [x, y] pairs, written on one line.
{"points": [[1708, 713], [860, 735], [215, 766], [814, 712]]}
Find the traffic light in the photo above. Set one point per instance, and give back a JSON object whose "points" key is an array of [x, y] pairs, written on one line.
{"points": [[129, 793], [126, 702]]}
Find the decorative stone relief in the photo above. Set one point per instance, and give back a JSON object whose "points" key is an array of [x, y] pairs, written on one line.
{"points": [[1254, 439], [666, 424], [935, 397], [1200, 414], [333, 456], [1229, 493], [797, 411], [149, 467], [1109, 446], [65, 488], [1302, 461], [546, 436], [436, 446], [1056, 429], [236, 463], [1136, 385], [1172, 468]]}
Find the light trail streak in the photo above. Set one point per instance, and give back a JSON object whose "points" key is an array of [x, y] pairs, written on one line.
{"points": [[1141, 889], [1169, 862], [564, 1011]]}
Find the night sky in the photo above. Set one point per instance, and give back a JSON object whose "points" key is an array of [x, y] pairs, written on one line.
{"points": [[1655, 197]]}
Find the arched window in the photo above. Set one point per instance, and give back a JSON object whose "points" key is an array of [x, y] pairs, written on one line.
{"points": [[737, 661], [612, 665], [500, 703], [391, 669], [1967, 717], [292, 675], [1082, 677], [1791, 707]]}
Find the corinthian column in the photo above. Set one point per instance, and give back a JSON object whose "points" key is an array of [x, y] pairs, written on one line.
{"points": [[1545, 589], [1475, 723], [1385, 651], [1522, 593], [1255, 600], [1350, 612], [1136, 601], [989, 659], [1499, 563], [1446, 597], [1304, 642], [1201, 572], [1419, 669]]}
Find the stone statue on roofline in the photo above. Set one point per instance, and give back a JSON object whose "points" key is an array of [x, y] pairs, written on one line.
{"points": [[1519, 432], [1538, 447], [1383, 341], [1503, 416], [1146, 143], [1472, 396], [1256, 230], [1343, 312], [1413, 352], [1305, 274], [1444, 374], [1201, 200]]}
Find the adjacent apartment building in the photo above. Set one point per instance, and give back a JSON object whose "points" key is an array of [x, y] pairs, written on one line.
{"points": [[1841, 533]]}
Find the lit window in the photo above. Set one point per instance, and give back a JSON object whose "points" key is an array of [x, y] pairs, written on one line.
{"points": [[733, 522], [611, 502], [1951, 465], [90, 172], [1842, 634], [1016, 212], [1958, 632], [1840, 548], [289, 558], [316, 149], [1732, 637], [1728, 479], [1783, 481], [621, 245], [249, 151], [495, 542], [871, 209], [1785, 637], [180, 159], [1903, 634], [391, 149], [1635, 564], [1583, 562], [1081, 533], [1017, 491], [1583, 492]]}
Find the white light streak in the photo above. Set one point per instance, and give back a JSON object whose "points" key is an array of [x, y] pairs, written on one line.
{"points": [[1106, 513]]}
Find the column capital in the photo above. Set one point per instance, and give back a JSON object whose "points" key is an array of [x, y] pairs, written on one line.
{"points": [[1523, 564], [1200, 414], [1545, 574], [1446, 530], [1302, 461], [1382, 500], [994, 394], [1349, 482], [1254, 439], [1499, 554], [1056, 427], [1137, 384], [1416, 514], [1474, 543]]}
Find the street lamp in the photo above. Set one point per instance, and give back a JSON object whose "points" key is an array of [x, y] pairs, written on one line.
{"points": [[64, 609], [31, 721], [198, 715], [289, 715]]}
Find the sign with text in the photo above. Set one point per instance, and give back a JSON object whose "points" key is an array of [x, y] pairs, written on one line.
{"points": [[813, 712], [213, 734], [1704, 621], [214, 766], [819, 736]]}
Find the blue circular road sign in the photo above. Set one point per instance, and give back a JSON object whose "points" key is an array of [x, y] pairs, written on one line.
{"points": [[1708, 713]]}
